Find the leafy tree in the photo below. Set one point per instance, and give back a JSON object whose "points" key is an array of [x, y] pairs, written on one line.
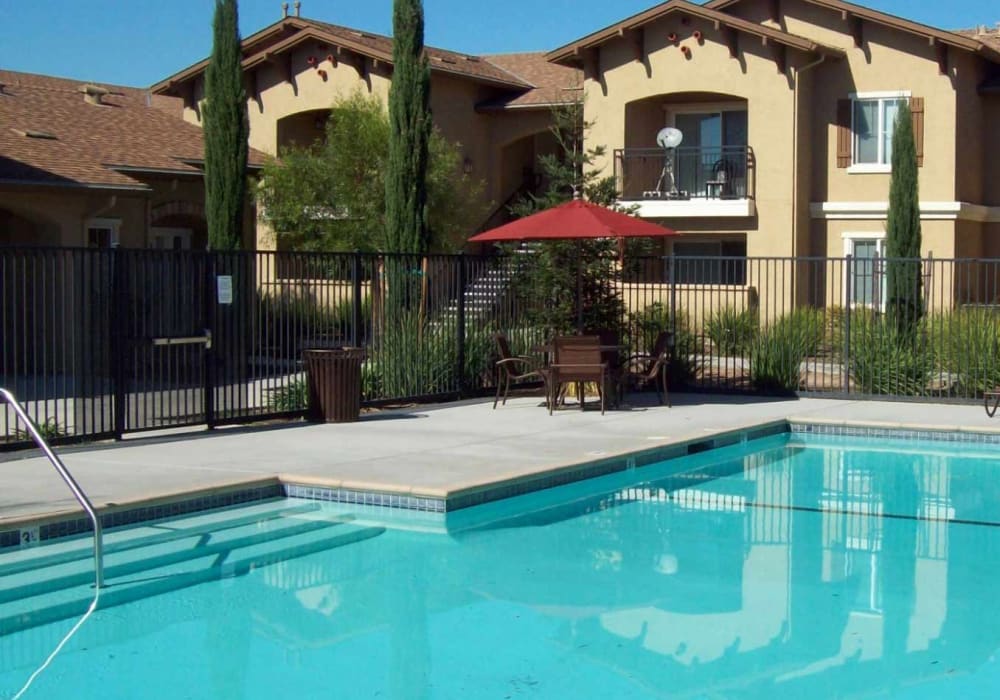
{"points": [[903, 275], [568, 285], [226, 129], [410, 129], [330, 196]]}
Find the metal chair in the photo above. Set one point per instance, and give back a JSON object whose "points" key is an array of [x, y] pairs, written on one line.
{"points": [[644, 368], [577, 360], [513, 368]]}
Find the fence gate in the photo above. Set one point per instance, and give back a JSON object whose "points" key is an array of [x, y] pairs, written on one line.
{"points": [[164, 306]]}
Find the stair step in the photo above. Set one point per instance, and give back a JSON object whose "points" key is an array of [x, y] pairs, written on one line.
{"points": [[52, 605], [153, 532], [135, 559]]}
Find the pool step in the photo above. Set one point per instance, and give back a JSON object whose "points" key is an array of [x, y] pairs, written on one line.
{"points": [[135, 559], [153, 532], [164, 572]]}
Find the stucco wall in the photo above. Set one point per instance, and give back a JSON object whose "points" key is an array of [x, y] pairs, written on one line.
{"points": [[753, 77], [991, 146]]}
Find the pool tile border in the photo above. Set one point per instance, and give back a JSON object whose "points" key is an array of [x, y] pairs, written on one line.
{"points": [[894, 432], [43, 528]]}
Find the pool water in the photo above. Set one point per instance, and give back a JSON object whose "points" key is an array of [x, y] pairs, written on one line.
{"points": [[791, 566]]}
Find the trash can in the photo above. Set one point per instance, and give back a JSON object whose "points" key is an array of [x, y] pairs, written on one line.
{"points": [[333, 377]]}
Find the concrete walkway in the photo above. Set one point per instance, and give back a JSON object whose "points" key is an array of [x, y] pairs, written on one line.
{"points": [[428, 449]]}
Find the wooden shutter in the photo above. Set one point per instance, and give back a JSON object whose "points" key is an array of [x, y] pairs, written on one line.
{"points": [[917, 109], [844, 141]]}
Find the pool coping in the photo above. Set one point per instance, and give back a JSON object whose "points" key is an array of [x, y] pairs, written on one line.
{"points": [[29, 530]]}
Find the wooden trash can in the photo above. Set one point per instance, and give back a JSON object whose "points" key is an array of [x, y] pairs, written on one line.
{"points": [[333, 377]]}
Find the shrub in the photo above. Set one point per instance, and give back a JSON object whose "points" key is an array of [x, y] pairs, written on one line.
{"points": [[886, 360], [49, 430], [808, 324], [294, 396], [776, 354], [966, 344], [732, 332]]}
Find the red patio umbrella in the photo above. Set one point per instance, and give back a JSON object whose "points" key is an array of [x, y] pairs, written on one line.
{"points": [[575, 219]]}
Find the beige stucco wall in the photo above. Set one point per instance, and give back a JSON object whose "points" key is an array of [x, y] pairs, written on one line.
{"points": [[752, 77], [57, 217], [482, 135], [991, 146]]}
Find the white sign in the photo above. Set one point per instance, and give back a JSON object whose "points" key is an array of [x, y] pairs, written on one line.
{"points": [[224, 284]]}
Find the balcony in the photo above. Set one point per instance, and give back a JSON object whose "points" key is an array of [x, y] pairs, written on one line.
{"points": [[695, 181]]}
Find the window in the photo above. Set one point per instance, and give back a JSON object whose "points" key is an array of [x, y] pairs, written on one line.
{"points": [[867, 281], [710, 262], [102, 233]]}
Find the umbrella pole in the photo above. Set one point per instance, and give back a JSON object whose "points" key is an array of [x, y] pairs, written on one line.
{"points": [[579, 288]]}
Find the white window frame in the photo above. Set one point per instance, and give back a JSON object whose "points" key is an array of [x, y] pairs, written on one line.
{"points": [[882, 97], [111, 224], [850, 238]]}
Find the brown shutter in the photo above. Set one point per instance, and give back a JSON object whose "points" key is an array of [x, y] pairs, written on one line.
{"points": [[843, 133], [917, 109]]}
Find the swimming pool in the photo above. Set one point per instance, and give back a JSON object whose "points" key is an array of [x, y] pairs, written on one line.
{"points": [[789, 566]]}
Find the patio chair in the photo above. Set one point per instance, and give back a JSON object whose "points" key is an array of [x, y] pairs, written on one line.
{"points": [[512, 369], [642, 369], [577, 360]]}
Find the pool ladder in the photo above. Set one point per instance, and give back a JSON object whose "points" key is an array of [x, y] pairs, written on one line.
{"points": [[81, 497]]}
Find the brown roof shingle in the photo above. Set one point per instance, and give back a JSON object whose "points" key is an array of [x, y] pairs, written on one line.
{"points": [[552, 84], [129, 130]]}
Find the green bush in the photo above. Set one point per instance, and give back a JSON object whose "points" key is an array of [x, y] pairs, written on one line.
{"points": [[294, 396], [885, 360], [776, 354], [732, 332], [966, 344], [49, 430], [413, 357], [808, 324], [291, 322]]}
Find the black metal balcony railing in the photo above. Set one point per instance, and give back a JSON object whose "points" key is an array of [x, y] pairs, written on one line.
{"points": [[694, 172]]}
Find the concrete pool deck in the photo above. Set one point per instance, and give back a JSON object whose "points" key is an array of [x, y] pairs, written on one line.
{"points": [[431, 449]]}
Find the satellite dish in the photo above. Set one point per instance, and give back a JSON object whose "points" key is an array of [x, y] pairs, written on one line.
{"points": [[669, 137]]}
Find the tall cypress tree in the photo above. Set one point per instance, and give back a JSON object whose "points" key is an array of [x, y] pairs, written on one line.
{"points": [[226, 129], [903, 275], [410, 129]]}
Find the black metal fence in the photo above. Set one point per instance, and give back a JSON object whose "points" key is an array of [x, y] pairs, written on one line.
{"points": [[99, 343]]}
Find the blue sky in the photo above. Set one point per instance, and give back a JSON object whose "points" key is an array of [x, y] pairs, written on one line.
{"points": [[138, 42]]}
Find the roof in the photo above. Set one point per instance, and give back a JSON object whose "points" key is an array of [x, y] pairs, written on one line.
{"points": [[51, 135], [552, 83], [570, 52], [291, 31], [989, 37], [989, 49]]}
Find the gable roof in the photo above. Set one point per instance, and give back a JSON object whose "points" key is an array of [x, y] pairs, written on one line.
{"points": [[989, 50], [51, 136], [293, 31], [570, 52], [553, 84]]}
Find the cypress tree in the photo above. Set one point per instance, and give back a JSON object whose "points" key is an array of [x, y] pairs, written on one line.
{"points": [[410, 129], [903, 274], [226, 129]]}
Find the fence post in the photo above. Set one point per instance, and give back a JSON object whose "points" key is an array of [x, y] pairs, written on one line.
{"points": [[356, 319], [460, 324], [211, 323], [119, 341], [846, 362], [671, 271]]}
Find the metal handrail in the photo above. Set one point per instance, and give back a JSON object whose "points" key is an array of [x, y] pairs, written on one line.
{"points": [[81, 497]]}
